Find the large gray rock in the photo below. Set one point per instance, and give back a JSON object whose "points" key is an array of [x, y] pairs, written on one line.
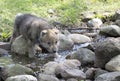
{"points": [[65, 43], [19, 46], [99, 71], [48, 69], [112, 76], [106, 50], [69, 69], [65, 69], [96, 22], [17, 69], [117, 22], [111, 30], [84, 55], [79, 38], [44, 77], [21, 78], [113, 64]]}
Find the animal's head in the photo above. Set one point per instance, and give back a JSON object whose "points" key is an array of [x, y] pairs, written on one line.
{"points": [[49, 40]]}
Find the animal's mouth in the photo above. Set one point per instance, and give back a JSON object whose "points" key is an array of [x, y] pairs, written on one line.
{"points": [[44, 50]]}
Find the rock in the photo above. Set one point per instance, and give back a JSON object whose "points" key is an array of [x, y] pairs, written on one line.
{"points": [[21, 78], [73, 73], [3, 52], [117, 22], [19, 46], [111, 30], [65, 43], [44, 77], [99, 71], [72, 79], [64, 69], [5, 45], [65, 32], [112, 76], [48, 69], [116, 16], [79, 39], [69, 69], [84, 55], [96, 22], [90, 73], [6, 61], [113, 64], [17, 69], [91, 34], [106, 50]]}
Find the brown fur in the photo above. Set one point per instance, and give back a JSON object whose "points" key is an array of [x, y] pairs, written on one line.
{"points": [[37, 31]]}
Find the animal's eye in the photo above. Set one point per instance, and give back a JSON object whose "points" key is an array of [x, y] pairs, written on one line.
{"points": [[48, 43], [56, 42]]}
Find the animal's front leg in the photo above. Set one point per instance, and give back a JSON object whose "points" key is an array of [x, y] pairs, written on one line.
{"points": [[31, 49], [37, 49]]}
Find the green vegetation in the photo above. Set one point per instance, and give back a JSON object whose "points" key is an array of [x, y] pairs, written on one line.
{"points": [[65, 11]]}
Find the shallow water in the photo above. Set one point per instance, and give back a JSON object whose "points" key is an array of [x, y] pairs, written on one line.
{"points": [[41, 59]]}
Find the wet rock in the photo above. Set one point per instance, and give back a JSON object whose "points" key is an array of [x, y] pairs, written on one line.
{"points": [[19, 46], [96, 22], [106, 50], [5, 45], [48, 69], [79, 38], [112, 76], [65, 43], [3, 52], [21, 78], [99, 71], [69, 69], [90, 73], [17, 69], [6, 61], [84, 55], [113, 64], [111, 30], [44, 77]]}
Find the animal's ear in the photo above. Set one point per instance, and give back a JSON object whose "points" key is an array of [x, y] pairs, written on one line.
{"points": [[43, 33], [56, 30]]}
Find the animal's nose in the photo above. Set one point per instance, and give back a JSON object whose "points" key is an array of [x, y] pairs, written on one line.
{"points": [[54, 51]]}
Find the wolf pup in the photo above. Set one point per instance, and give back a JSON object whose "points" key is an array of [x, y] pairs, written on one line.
{"points": [[38, 32]]}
